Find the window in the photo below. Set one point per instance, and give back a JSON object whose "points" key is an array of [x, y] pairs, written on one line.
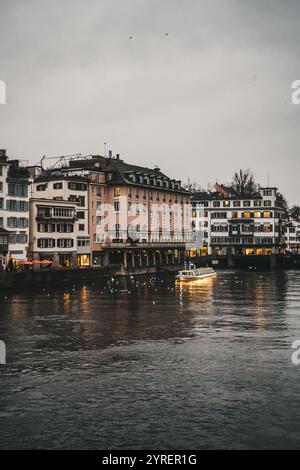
{"points": [[1, 203], [236, 203], [63, 212], [257, 214], [267, 214], [23, 206], [65, 243], [257, 203], [77, 186], [46, 243], [57, 185], [1, 186], [13, 205], [246, 203], [64, 228], [46, 227], [247, 215], [1, 223], [83, 241], [81, 215], [267, 192], [226, 203], [267, 203], [117, 192], [117, 206], [44, 212], [41, 187], [81, 201], [98, 191], [81, 227], [234, 215], [216, 204]]}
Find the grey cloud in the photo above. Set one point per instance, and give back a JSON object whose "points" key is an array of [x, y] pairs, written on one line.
{"points": [[187, 102]]}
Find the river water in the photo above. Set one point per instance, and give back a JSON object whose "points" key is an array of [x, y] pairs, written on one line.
{"points": [[147, 364]]}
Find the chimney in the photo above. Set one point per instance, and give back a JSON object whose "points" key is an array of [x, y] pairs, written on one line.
{"points": [[110, 154], [118, 156]]}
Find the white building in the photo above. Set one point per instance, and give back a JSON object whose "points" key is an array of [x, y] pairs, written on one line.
{"points": [[245, 225], [52, 232], [292, 235], [56, 188], [14, 206]]}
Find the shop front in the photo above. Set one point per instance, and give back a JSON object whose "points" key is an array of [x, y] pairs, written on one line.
{"points": [[83, 260]]}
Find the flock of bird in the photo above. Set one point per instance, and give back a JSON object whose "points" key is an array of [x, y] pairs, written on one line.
{"points": [[165, 35]]}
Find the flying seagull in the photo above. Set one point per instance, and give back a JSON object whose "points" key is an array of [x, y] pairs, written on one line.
{"points": [[166, 34], [130, 37]]}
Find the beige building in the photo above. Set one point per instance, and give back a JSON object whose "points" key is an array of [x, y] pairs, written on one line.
{"points": [[59, 219], [138, 217]]}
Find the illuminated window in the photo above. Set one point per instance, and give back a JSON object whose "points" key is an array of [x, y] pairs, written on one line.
{"points": [[249, 251], [226, 203], [117, 192], [257, 214], [267, 214], [259, 251], [247, 215], [234, 215]]}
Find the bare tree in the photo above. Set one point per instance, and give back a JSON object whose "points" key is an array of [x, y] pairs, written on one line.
{"points": [[295, 212], [243, 183]]}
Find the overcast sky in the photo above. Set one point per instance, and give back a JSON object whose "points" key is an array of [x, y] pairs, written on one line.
{"points": [[212, 96]]}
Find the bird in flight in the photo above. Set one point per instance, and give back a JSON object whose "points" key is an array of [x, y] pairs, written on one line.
{"points": [[130, 37], [166, 34]]}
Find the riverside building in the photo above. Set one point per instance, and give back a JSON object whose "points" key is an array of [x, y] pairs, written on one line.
{"points": [[225, 223], [59, 229], [14, 211], [138, 217]]}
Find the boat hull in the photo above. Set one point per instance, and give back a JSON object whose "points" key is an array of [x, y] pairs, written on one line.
{"points": [[195, 278]]}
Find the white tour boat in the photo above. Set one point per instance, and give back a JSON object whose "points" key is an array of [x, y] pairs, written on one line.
{"points": [[194, 274]]}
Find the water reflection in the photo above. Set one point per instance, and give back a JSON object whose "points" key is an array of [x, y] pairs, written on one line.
{"points": [[141, 350]]}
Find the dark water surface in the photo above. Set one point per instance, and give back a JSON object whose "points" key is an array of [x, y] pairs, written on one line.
{"points": [[204, 365]]}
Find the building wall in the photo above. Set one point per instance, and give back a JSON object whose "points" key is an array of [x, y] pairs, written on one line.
{"points": [[250, 226], [70, 190], [144, 215], [292, 236], [47, 241], [14, 206]]}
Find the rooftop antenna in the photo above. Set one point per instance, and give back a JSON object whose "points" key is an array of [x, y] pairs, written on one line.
{"points": [[105, 149], [268, 179]]}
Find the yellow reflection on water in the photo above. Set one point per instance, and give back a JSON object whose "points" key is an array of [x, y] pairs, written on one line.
{"points": [[84, 301], [67, 301], [195, 287]]}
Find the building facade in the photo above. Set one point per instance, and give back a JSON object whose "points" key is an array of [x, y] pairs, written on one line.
{"points": [[138, 217], [224, 222], [14, 208], [64, 235], [292, 235]]}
